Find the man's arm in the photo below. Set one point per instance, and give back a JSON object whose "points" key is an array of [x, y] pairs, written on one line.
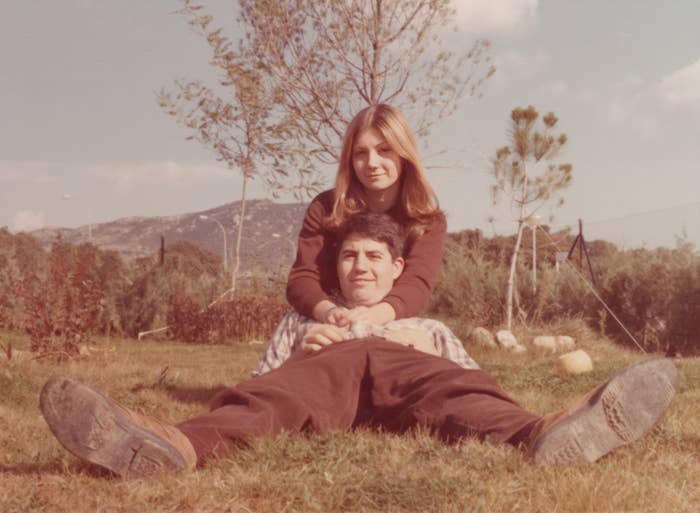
{"points": [[281, 344], [296, 333]]}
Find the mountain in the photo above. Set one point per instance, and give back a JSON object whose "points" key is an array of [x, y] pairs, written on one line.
{"points": [[269, 233]]}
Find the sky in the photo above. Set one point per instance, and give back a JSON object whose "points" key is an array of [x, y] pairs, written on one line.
{"points": [[83, 140]]}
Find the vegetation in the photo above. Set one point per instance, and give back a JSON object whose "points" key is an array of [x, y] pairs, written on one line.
{"points": [[338, 472], [515, 175], [248, 316], [235, 125], [74, 293], [296, 73], [653, 293], [325, 60]]}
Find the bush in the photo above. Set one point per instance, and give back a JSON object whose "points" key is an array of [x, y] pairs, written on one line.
{"points": [[62, 311], [186, 269], [654, 293], [470, 287], [244, 317], [683, 329], [20, 255]]}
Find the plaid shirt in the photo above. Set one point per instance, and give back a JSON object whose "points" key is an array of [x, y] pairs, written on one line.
{"points": [[293, 327]]}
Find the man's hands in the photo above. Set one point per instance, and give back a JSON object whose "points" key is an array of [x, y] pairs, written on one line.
{"points": [[336, 321], [320, 336]]}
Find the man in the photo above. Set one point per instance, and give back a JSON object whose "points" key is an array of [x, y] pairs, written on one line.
{"points": [[316, 377]]}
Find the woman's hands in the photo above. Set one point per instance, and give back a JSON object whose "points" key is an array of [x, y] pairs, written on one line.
{"points": [[328, 312], [379, 314]]}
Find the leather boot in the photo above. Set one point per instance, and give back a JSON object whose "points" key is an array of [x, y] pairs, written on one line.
{"points": [[101, 431], [616, 413]]}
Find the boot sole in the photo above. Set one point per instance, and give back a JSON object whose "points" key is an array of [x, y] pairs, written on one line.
{"points": [[87, 424], [623, 410]]}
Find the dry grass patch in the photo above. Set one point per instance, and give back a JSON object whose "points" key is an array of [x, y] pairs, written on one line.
{"points": [[350, 472]]}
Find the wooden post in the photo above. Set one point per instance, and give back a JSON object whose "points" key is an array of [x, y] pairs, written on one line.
{"points": [[582, 249], [588, 258]]}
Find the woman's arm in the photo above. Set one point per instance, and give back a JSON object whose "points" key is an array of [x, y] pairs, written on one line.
{"points": [[310, 272]]}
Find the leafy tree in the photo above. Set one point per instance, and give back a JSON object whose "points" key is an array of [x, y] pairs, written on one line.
{"points": [[301, 69], [328, 59], [524, 172], [236, 124]]}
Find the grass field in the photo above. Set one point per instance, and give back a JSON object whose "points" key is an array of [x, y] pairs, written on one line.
{"points": [[351, 472]]}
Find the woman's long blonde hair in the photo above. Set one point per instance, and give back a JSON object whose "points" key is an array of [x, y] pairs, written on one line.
{"points": [[417, 203]]}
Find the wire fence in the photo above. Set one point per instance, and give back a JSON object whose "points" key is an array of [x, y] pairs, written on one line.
{"points": [[662, 227], [650, 228]]}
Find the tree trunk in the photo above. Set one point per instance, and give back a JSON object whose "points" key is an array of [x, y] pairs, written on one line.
{"points": [[511, 277], [516, 250], [239, 234], [377, 48]]}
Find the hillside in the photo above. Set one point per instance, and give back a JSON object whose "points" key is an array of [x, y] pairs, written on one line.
{"points": [[269, 233]]}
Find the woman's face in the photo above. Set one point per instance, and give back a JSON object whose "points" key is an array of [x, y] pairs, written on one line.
{"points": [[377, 166]]}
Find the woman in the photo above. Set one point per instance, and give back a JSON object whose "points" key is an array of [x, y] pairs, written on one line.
{"points": [[379, 171]]}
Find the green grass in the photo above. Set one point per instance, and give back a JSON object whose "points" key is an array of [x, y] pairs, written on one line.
{"points": [[351, 472]]}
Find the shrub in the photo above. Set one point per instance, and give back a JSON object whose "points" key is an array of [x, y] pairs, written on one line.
{"points": [[470, 287], [683, 329], [20, 254], [187, 269], [654, 293], [61, 311], [244, 317]]}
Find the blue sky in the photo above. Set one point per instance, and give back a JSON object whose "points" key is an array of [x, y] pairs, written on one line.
{"points": [[82, 139]]}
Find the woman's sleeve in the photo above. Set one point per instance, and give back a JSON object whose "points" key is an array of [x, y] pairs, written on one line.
{"points": [[304, 284], [411, 292]]}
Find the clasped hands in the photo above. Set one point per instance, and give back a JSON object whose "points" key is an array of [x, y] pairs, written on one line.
{"points": [[322, 335]]}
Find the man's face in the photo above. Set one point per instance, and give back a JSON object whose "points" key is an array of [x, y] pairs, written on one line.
{"points": [[366, 270]]}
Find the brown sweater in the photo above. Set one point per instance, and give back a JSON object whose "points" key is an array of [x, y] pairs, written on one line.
{"points": [[313, 276]]}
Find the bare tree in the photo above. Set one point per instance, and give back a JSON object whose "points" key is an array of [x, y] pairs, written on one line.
{"points": [[524, 173], [324, 60], [330, 58]]}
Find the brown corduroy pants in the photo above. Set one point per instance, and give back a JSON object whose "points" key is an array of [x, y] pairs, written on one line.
{"points": [[368, 381]]}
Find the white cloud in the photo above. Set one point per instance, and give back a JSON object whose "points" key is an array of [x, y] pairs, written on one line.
{"points": [[633, 106], [26, 220], [682, 87], [31, 171], [496, 16], [126, 177], [153, 174]]}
